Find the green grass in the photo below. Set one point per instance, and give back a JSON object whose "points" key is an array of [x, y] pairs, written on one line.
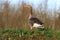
{"points": [[20, 34]]}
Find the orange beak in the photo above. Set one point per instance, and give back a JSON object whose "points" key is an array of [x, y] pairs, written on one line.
{"points": [[27, 6]]}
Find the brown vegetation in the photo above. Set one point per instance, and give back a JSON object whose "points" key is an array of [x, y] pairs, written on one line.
{"points": [[12, 17]]}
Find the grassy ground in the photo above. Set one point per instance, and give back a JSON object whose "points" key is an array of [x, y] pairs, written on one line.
{"points": [[38, 34]]}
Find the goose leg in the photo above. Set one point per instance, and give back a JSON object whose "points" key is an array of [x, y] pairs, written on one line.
{"points": [[31, 28]]}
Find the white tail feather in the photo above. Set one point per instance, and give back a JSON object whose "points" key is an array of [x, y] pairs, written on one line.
{"points": [[38, 25]]}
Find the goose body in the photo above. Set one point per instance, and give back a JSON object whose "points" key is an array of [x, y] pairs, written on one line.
{"points": [[35, 22]]}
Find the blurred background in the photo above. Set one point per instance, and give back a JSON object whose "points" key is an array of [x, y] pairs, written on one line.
{"points": [[13, 14]]}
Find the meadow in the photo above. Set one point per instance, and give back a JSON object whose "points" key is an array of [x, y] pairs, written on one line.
{"points": [[14, 22], [36, 34]]}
